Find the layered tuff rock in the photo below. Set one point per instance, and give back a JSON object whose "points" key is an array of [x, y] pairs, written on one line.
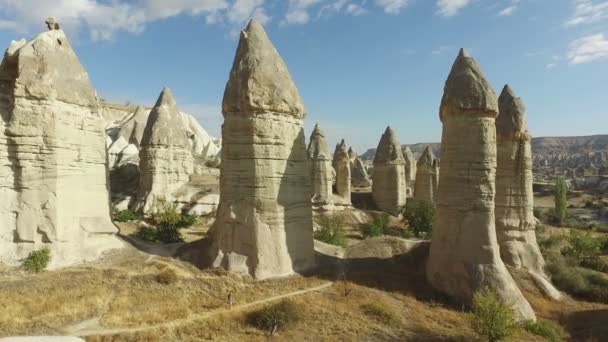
{"points": [[263, 225], [515, 222], [426, 176], [464, 255], [53, 181], [410, 170], [165, 158], [341, 166], [321, 169], [359, 177], [388, 179]]}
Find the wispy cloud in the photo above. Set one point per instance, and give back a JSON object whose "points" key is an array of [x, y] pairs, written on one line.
{"points": [[550, 66], [355, 9], [588, 49], [392, 6], [448, 8], [587, 12], [442, 49], [507, 11]]}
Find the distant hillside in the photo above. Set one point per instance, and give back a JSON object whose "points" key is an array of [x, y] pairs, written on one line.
{"points": [[543, 146]]}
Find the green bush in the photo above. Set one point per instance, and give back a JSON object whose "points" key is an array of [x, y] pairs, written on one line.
{"points": [[187, 221], [379, 312], [550, 330], [37, 260], [275, 317], [561, 200], [167, 220], [492, 318], [125, 216], [376, 227], [577, 281], [420, 215], [331, 230], [147, 233], [583, 247]]}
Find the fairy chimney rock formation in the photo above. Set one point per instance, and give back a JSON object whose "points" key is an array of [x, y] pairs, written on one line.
{"points": [[515, 222], [410, 169], [52, 146], [388, 179], [464, 256], [341, 166], [322, 173], [263, 225], [426, 180], [165, 157], [358, 172]]}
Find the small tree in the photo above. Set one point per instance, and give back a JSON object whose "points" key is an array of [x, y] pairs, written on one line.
{"points": [[420, 215], [492, 318], [561, 200], [331, 230]]}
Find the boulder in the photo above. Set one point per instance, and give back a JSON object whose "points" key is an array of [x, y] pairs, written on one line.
{"points": [[263, 224], [464, 256]]}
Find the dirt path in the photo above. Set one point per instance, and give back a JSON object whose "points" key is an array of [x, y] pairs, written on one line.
{"points": [[91, 327]]}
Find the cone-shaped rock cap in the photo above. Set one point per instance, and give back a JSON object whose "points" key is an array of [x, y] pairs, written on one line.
{"points": [[259, 80], [351, 153], [341, 153], [407, 153], [317, 148], [165, 125], [389, 149], [427, 158], [466, 90], [512, 116]]}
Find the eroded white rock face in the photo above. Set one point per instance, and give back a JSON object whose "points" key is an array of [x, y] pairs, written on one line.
{"points": [[410, 170], [515, 222], [264, 221], [388, 181], [464, 255], [321, 169], [341, 164], [426, 176], [165, 157], [53, 181]]}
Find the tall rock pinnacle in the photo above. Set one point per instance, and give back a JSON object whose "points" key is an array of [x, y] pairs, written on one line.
{"points": [[321, 168], [426, 180], [388, 180]]}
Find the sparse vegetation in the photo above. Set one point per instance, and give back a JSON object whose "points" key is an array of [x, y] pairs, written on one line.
{"points": [[379, 312], [376, 227], [331, 230], [583, 247], [275, 317], [492, 319], [37, 260], [420, 215], [561, 200], [167, 223], [550, 330], [125, 216]]}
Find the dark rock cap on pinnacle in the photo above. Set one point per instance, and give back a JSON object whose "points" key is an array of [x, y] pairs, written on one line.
{"points": [[466, 89], [165, 125], [512, 116], [317, 148], [389, 149], [259, 80]]}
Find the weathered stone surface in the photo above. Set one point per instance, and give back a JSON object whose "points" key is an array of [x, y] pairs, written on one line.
{"points": [[165, 158], [515, 222], [388, 180], [341, 166], [264, 220], [322, 172], [53, 181], [359, 177], [464, 255], [426, 176], [410, 170]]}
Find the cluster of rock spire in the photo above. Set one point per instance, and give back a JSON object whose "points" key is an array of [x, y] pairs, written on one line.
{"points": [[53, 151]]}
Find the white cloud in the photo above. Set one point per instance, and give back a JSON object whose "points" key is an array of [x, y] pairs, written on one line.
{"points": [[588, 12], [297, 11], [392, 6], [441, 50], [507, 11], [550, 66], [104, 18], [356, 10], [448, 8], [588, 49]]}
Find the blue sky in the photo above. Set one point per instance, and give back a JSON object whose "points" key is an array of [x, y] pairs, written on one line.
{"points": [[360, 65]]}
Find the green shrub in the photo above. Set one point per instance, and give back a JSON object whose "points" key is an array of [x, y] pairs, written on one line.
{"points": [[275, 317], [147, 233], [561, 200], [577, 281], [550, 330], [167, 219], [187, 221], [37, 260], [583, 247], [420, 215], [379, 312], [376, 227], [331, 230], [125, 216], [492, 318]]}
